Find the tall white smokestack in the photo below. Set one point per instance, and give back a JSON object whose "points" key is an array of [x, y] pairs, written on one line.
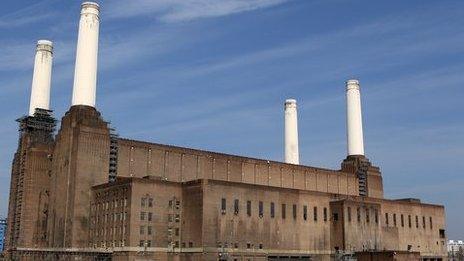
{"points": [[40, 93], [354, 119], [85, 74], [291, 132]]}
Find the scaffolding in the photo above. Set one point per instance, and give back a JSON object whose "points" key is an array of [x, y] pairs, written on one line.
{"points": [[113, 168], [362, 176]]}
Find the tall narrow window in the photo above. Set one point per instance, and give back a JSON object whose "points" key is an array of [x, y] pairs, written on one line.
{"points": [[349, 214], [294, 211], [143, 202], [409, 221], [394, 219], [272, 210], [249, 208], [150, 202], [417, 222], [142, 215], [376, 213], [150, 216], [236, 207], [367, 215], [223, 206], [325, 214], [261, 209], [283, 211], [305, 213], [386, 218], [402, 220], [430, 221], [315, 214], [358, 214], [423, 222]]}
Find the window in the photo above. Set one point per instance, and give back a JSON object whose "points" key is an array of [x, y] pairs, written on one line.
{"points": [[272, 210], [376, 213], [283, 211], [142, 230], [394, 220], [150, 216], [260, 246], [142, 215], [325, 214], [149, 230], [248, 245], [236, 207], [335, 216], [367, 215], [294, 211], [423, 222], [417, 222], [349, 214], [430, 221], [148, 243], [261, 209], [143, 202], [223, 206], [358, 214], [386, 218], [305, 213], [315, 214], [169, 218], [249, 208], [177, 218], [150, 202], [142, 243], [402, 220], [442, 233], [190, 244], [176, 231], [409, 220]]}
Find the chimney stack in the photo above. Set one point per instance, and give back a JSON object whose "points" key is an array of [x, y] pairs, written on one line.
{"points": [[85, 74], [291, 132], [354, 119], [40, 93]]}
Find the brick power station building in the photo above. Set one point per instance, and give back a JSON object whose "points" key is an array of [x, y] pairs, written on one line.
{"points": [[85, 194]]}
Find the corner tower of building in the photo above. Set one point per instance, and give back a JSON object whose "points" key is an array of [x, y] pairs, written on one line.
{"points": [[82, 150]]}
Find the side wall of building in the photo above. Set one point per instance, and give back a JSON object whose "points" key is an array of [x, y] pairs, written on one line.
{"points": [[139, 159]]}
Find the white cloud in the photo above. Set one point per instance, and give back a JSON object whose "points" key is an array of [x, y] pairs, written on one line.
{"points": [[184, 10]]}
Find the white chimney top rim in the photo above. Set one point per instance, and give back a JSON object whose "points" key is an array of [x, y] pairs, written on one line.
{"points": [[290, 101], [45, 42], [90, 4], [352, 81]]}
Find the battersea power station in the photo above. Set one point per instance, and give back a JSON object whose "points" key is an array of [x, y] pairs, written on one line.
{"points": [[80, 192]]}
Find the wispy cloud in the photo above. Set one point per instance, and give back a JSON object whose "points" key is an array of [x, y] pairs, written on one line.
{"points": [[28, 15], [184, 10]]}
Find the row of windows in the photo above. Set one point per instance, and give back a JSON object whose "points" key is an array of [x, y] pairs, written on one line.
{"points": [[114, 243], [146, 202], [148, 243], [366, 211], [110, 217], [237, 245], [110, 204], [109, 231], [409, 220], [272, 210]]}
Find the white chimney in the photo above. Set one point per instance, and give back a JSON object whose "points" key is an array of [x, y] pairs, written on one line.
{"points": [[354, 119], [85, 74], [291, 132], [40, 93]]}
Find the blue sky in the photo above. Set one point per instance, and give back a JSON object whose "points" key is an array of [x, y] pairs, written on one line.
{"points": [[213, 74]]}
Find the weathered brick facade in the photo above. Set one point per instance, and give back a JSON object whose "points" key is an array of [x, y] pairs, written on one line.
{"points": [[172, 203]]}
